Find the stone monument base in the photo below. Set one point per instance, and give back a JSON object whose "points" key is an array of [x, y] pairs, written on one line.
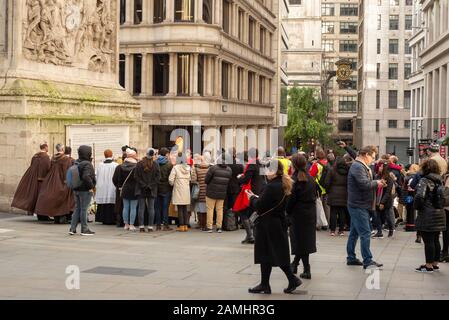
{"points": [[34, 111]]}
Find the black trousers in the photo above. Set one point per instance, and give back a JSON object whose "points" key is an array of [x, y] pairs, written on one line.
{"points": [[265, 270], [303, 257], [183, 215], [431, 246], [338, 216], [446, 233]]}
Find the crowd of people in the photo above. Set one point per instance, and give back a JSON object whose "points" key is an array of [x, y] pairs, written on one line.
{"points": [[280, 201]]}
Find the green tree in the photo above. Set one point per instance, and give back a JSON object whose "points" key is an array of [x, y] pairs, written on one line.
{"points": [[306, 118]]}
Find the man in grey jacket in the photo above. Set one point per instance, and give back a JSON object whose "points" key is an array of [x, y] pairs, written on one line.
{"points": [[361, 199]]}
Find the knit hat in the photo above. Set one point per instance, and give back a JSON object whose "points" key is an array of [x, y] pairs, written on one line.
{"points": [[130, 153], [151, 152], [108, 153]]}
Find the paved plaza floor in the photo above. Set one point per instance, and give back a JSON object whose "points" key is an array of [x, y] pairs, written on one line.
{"points": [[115, 264]]}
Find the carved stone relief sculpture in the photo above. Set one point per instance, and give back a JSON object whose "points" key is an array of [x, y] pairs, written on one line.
{"points": [[78, 33]]}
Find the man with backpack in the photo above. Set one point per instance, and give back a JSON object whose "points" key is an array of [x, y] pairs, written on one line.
{"points": [[319, 171], [81, 178]]}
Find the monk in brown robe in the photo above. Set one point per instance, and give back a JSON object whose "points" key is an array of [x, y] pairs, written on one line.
{"points": [[27, 192], [55, 197]]}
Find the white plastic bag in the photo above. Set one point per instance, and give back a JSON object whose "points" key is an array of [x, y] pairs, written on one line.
{"points": [[321, 220]]}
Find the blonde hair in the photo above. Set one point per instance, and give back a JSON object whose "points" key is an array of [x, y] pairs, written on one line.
{"points": [[414, 168], [287, 182]]}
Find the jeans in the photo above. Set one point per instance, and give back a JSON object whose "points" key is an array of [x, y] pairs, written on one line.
{"points": [[149, 203], [338, 215], [388, 215], [360, 227], [161, 206], [82, 203], [129, 205], [211, 205], [431, 246]]}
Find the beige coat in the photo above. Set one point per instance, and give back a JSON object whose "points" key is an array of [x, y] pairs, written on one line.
{"points": [[180, 177]]}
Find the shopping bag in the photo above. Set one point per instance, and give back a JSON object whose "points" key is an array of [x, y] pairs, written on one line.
{"points": [[242, 201], [321, 220]]}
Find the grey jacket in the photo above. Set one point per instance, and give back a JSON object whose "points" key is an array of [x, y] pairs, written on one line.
{"points": [[361, 187]]}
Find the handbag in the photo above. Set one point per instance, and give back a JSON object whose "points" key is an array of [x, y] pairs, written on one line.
{"points": [[195, 192], [321, 220], [124, 183], [255, 217], [242, 201]]}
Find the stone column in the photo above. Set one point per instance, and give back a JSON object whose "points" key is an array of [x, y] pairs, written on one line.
{"points": [[149, 9], [216, 77], [169, 11], [245, 85], [257, 37], [128, 72], [129, 12], [436, 6], [256, 88], [217, 11], [145, 11], [246, 28], [236, 20], [443, 92], [199, 11], [144, 90], [194, 86], [172, 90], [209, 75]]}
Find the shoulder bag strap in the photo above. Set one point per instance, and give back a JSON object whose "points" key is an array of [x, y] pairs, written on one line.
{"points": [[266, 212]]}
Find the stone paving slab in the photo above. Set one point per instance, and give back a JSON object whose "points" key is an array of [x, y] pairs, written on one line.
{"points": [[195, 265]]}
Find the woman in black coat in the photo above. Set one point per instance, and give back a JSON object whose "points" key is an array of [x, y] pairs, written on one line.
{"points": [[385, 200], [251, 173], [430, 220], [336, 185], [301, 210], [271, 239]]}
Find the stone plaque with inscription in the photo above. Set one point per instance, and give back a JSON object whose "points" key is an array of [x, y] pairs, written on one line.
{"points": [[99, 137]]}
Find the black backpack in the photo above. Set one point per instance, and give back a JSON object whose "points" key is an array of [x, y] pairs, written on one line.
{"points": [[440, 196], [324, 173]]}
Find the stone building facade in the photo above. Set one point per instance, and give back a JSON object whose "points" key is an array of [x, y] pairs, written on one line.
{"points": [[384, 101], [58, 71], [209, 63]]}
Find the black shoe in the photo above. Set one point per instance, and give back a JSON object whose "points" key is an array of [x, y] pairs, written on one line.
{"points": [[390, 233], [87, 233], [354, 263], [378, 236], [372, 265], [72, 233], [294, 267], [292, 286], [424, 269], [248, 241], [306, 274], [444, 257], [260, 289], [418, 240]]}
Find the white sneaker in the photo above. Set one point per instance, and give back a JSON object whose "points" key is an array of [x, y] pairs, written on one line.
{"points": [[126, 227], [132, 228]]}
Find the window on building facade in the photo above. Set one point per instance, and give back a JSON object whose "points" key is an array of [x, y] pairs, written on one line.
{"points": [[327, 45], [393, 71], [345, 125], [161, 74], [408, 22], [262, 35], [226, 15], [393, 47], [349, 10], [378, 71], [377, 99], [407, 124], [327, 27], [378, 46], [251, 78], [392, 124], [121, 72], [347, 104], [353, 63], [328, 9], [295, 2], [379, 22], [201, 59], [348, 46], [122, 11], [241, 19], [407, 99], [394, 22], [225, 80], [394, 2], [207, 11], [392, 99], [377, 125], [252, 27], [159, 11], [407, 48], [409, 2], [407, 70], [348, 27], [137, 74], [183, 74], [239, 83], [351, 84], [138, 11], [184, 10], [261, 88]]}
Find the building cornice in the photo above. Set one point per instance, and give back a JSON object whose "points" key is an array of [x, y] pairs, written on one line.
{"points": [[429, 55]]}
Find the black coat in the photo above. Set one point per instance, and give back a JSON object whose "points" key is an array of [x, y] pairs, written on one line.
{"points": [[217, 180], [165, 168], [429, 219], [336, 185], [387, 195], [301, 210], [233, 186], [86, 169], [120, 175], [271, 238], [253, 173], [147, 181]]}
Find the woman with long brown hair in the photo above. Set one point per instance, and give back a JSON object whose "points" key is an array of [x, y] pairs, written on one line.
{"points": [[271, 239], [301, 210]]}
